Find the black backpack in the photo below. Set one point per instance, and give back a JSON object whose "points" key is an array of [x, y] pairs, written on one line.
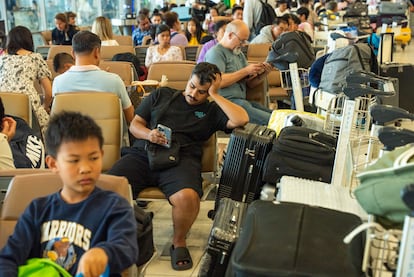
{"points": [[129, 57], [145, 235], [27, 146], [267, 16], [292, 42]]}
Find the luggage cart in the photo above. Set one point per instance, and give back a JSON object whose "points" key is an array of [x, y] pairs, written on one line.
{"points": [[351, 111], [390, 252], [365, 149], [384, 246]]}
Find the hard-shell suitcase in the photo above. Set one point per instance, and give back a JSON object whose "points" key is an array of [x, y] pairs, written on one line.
{"points": [[223, 236], [404, 72], [290, 239], [241, 177]]}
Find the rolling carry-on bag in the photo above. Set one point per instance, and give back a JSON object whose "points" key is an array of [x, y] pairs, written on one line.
{"points": [[241, 177], [223, 236], [289, 239]]}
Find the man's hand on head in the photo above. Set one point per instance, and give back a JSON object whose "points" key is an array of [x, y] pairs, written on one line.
{"points": [[215, 85]]}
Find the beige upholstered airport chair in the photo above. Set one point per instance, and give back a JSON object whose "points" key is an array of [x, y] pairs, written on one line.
{"points": [[276, 92], [24, 188], [141, 53], [17, 104], [191, 52], [177, 72], [124, 70], [258, 93], [47, 35], [7, 174], [105, 109], [55, 49], [208, 164], [107, 52], [258, 52], [123, 40]]}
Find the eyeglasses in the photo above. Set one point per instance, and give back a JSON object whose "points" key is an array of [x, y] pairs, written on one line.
{"points": [[240, 41]]}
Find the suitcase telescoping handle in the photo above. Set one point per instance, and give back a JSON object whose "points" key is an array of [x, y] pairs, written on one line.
{"points": [[393, 137], [382, 114]]}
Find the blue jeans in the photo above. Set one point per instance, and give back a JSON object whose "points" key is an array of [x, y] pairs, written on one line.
{"points": [[258, 113]]}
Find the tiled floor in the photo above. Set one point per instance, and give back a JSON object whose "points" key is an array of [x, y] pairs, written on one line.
{"points": [[197, 239]]}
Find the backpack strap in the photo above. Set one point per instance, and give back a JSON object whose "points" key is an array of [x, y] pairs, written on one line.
{"points": [[359, 57]]}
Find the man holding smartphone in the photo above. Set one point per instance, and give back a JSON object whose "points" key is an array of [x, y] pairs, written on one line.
{"points": [[192, 119]]}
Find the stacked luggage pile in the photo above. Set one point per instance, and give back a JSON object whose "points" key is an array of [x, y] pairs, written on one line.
{"points": [[292, 197]]}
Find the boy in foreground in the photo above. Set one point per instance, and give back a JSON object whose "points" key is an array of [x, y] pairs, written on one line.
{"points": [[81, 227]]}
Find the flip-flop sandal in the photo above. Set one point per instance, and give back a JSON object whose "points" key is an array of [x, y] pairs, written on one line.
{"points": [[180, 258]]}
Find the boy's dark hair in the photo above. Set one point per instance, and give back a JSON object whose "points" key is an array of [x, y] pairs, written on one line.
{"points": [[303, 11], [60, 59], [19, 37], [85, 42], [235, 9], [70, 126], [206, 72]]}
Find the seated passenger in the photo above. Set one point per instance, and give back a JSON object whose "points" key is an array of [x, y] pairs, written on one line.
{"points": [[103, 28], [163, 51], [62, 62], [192, 119], [143, 29], [85, 75], [177, 37], [97, 228], [219, 28], [268, 34], [237, 73], [7, 131], [63, 33], [194, 32]]}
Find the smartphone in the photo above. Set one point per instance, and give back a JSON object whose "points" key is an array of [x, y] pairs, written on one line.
{"points": [[167, 133]]}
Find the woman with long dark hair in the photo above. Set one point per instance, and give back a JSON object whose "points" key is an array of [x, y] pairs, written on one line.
{"points": [[194, 32], [20, 67]]}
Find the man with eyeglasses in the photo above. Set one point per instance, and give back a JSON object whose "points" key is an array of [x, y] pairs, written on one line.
{"points": [[237, 73], [192, 119]]}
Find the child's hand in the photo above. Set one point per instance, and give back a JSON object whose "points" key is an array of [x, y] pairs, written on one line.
{"points": [[93, 263]]}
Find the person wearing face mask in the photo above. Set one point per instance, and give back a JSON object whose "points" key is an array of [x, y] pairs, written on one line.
{"points": [[237, 73]]}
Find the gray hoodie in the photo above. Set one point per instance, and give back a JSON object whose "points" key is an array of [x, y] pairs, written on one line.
{"points": [[265, 35]]}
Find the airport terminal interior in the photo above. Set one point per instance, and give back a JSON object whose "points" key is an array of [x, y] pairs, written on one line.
{"points": [[39, 16]]}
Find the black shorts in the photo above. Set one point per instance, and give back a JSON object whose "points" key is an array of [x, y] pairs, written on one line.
{"points": [[134, 166]]}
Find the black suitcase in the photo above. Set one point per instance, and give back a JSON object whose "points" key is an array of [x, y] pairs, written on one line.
{"points": [[300, 152], [404, 72], [290, 239], [241, 177]]}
